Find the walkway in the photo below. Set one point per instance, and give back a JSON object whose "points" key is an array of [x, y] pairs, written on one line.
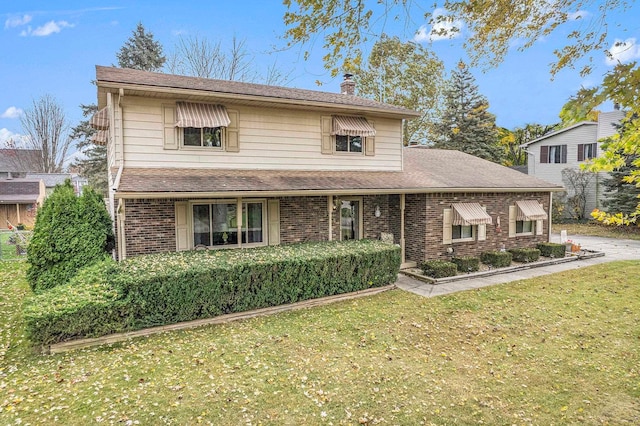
{"points": [[612, 248]]}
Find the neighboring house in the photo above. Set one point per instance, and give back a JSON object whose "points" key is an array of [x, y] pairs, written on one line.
{"points": [[207, 163], [19, 200], [50, 179], [16, 163], [569, 148]]}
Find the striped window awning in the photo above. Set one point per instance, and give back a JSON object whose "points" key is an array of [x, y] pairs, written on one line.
{"points": [[201, 115], [100, 120], [469, 214], [100, 137], [352, 126], [530, 210]]}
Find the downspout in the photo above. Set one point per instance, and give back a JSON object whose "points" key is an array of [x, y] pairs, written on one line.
{"points": [[402, 240], [330, 211], [550, 216]]}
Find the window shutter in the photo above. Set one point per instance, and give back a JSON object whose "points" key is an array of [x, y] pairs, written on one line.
{"points": [[544, 154], [182, 226], [482, 229], [232, 132], [512, 221], [370, 143], [563, 153], [274, 222], [580, 152], [539, 225], [447, 232], [169, 127], [327, 140]]}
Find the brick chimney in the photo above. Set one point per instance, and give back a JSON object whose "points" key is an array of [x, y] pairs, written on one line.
{"points": [[348, 86]]}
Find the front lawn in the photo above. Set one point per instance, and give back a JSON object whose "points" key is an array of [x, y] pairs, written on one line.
{"points": [[552, 350], [598, 230]]}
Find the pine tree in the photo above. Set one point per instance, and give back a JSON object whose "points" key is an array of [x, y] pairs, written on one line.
{"points": [[94, 165], [467, 125], [622, 196], [141, 52]]}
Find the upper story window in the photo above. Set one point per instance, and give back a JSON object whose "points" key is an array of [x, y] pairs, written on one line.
{"points": [[553, 154], [202, 125], [348, 143], [587, 151], [203, 137]]}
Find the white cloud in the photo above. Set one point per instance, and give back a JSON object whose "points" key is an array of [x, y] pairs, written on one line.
{"points": [[424, 34], [623, 51], [17, 21], [12, 112], [51, 27], [7, 135]]}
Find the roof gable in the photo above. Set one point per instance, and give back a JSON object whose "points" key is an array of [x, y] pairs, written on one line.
{"points": [[558, 132]]}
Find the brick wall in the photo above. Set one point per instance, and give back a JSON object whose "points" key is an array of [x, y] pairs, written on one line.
{"points": [[497, 205], [149, 226], [303, 219], [415, 226]]}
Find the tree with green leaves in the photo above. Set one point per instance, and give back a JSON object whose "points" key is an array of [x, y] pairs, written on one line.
{"points": [[70, 233], [345, 26], [466, 123], [141, 51], [579, 107], [512, 140], [407, 75]]}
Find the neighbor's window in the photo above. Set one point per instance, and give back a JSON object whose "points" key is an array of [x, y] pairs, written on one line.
{"points": [[557, 154], [216, 225], [462, 232], [348, 143], [202, 137], [588, 151], [524, 227]]}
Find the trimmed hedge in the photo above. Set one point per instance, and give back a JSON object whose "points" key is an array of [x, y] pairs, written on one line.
{"points": [[552, 249], [525, 255], [168, 288], [439, 268], [466, 263], [496, 259]]}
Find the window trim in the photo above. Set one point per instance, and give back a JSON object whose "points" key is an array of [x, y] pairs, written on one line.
{"points": [[473, 237], [240, 204], [223, 140]]}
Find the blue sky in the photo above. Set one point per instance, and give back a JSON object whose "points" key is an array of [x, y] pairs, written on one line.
{"points": [[52, 47]]}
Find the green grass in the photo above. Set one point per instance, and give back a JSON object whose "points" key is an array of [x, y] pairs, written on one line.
{"points": [[8, 251], [560, 349], [598, 230]]}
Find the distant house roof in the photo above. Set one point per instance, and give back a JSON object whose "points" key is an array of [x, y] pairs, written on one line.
{"points": [[189, 88], [17, 160], [425, 171], [19, 191], [50, 179], [557, 132]]}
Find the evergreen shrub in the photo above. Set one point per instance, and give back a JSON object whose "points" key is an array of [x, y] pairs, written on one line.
{"points": [[525, 255], [439, 268], [496, 259], [552, 249], [466, 263]]}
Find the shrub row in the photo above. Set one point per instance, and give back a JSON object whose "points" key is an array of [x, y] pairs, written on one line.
{"points": [[439, 268], [168, 288], [496, 259], [525, 255], [466, 263], [552, 250]]}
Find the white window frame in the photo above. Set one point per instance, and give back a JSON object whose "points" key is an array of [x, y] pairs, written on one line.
{"points": [[348, 151], [474, 233], [240, 202], [531, 232], [223, 132]]}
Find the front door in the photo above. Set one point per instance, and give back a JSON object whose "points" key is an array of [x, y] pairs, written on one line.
{"points": [[350, 221]]}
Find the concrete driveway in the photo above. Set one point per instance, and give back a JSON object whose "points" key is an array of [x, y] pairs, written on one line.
{"points": [[613, 249]]}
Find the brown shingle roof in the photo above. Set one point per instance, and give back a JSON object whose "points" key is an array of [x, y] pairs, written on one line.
{"points": [[18, 191], [258, 91], [425, 170]]}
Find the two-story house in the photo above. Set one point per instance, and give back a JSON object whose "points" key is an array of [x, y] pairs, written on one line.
{"points": [[200, 163], [569, 148]]}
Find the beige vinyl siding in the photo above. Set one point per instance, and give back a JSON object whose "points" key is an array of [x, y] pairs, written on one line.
{"points": [[269, 139]]}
